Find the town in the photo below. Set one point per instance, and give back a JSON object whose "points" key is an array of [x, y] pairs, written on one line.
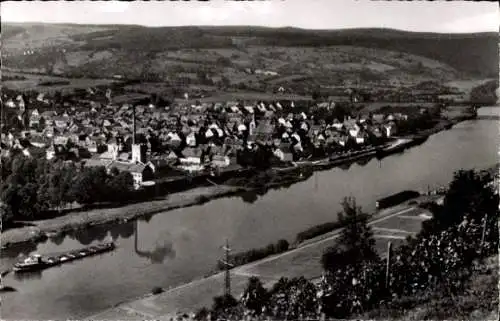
{"points": [[153, 142]]}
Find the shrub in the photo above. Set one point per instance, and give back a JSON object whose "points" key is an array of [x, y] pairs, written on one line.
{"points": [[252, 255], [320, 230], [157, 290]]}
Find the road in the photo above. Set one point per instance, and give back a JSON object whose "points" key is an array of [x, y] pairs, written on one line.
{"points": [[393, 225]]}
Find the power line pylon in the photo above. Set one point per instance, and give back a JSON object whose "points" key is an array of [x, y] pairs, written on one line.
{"points": [[227, 266]]}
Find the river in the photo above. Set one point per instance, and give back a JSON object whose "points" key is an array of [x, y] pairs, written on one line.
{"points": [[171, 248]]}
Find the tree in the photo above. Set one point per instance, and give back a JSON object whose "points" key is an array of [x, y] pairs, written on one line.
{"points": [[120, 185], [255, 297], [315, 95], [223, 304], [90, 186], [293, 299], [282, 246], [485, 93], [5, 215], [356, 243], [225, 81], [468, 196]]}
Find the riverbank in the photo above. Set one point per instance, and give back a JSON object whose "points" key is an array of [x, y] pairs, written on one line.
{"points": [[78, 220], [40, 230]]}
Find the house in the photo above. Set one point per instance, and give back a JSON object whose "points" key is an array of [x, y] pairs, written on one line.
{"points": [[191, 155], [10, 103], [263, 132], [361, 138], [159, 165], [284, 153], [38, 141], [400, 116], [50, 152], [95, 144], [220, 160], [140, 172], [174, 140], [191, 139], [61, 140], [61, 122], [172, 157], [352, 128], [389, 129], [337, 125], [34, 120], [378, 118], [124, 157]]}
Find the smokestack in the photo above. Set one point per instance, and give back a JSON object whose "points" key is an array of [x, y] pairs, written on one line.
{"points": [[133, 124]]}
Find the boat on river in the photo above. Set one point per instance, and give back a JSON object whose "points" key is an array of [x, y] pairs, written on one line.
{"points": [[38, 262]]}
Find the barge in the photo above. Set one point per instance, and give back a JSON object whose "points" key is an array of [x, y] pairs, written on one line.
{"points": [[38, 262], [396, 199]]}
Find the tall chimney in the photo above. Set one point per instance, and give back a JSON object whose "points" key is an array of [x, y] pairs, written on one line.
{"points": [[133, 124]]}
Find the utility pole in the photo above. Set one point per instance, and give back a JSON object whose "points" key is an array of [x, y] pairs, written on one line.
{"points": [[228, 266], [388, 266], [484, 232]]}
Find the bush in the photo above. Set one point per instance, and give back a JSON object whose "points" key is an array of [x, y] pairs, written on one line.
{"points": [[54, 83], [157, 290], [253, 255], [321, 229]]}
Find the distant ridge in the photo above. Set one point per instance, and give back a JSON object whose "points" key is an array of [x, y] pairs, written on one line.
{"points": [[474, 54]]}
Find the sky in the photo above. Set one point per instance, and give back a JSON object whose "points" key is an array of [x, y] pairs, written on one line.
{"points": [[422, 16]]}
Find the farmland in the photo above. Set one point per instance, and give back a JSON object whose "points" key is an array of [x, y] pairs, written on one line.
{"points": [[34, 81]]}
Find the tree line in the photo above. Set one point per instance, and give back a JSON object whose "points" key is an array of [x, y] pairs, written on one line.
{"points": [[32, 187], [439, 260]]}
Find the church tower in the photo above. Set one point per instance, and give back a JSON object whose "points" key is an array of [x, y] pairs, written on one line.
{"points": [[138, 150]]}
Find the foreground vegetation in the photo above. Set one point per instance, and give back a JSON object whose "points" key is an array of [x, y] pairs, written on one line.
{"points": [[32, 187], [442, 260]]}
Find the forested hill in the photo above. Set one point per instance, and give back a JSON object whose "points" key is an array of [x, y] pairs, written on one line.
{"points": [[475, 54]]}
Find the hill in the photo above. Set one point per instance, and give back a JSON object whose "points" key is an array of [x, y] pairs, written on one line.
{"points": [[208, 55]]}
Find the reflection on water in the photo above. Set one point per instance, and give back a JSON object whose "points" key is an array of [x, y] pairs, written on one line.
{"points": [[160, 252], [363, 161], [26, 276], [162, 249], [249, 197], [18, 250], [58, 238], [345, 166], [87, 236], [84, 237]]}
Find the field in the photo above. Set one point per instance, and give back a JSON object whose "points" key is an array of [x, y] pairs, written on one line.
{"points": [[407, 108], [252, 96], [466, 86], [32, 82]]}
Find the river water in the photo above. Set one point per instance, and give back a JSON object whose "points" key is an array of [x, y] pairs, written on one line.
{"points": [[174, 247]]}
